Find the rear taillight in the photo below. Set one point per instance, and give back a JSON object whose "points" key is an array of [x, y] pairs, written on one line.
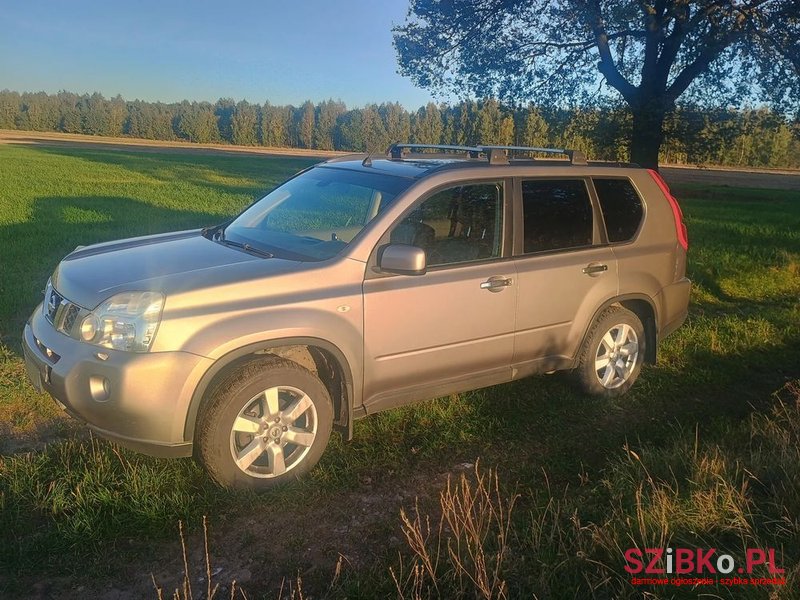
{"points": [[680, 226]]}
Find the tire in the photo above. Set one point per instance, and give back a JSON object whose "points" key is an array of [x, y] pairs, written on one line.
{"points": [[612, 354], [266, 423]]}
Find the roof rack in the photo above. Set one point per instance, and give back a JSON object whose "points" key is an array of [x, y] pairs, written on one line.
{"points": [[397, 150], [497, 155]]}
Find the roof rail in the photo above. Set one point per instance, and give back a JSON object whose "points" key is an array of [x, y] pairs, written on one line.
{"points": [[495, 154], [576, 157], [396, 150]]}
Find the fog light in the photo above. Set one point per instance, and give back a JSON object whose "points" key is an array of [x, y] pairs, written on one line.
{"points": [[99, 388]]}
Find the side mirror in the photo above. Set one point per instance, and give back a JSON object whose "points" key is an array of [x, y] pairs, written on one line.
{"points": [[402, 259]]}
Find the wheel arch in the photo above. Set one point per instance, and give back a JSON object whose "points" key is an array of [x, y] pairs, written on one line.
{"points": [[330, 364], [644, 308]]}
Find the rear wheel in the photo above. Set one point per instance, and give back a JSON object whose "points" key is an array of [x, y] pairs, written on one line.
{"points": [[266, 423], [611, 357]]}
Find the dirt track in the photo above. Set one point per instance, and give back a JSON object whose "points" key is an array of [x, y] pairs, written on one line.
{"points": [[755, 178], [70, 140], [777, 180]]}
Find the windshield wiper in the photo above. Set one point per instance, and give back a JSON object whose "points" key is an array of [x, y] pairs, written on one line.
{"points": [[246, 247]]}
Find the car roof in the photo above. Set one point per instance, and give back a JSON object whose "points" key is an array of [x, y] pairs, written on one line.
{"points": [[411, 169]]}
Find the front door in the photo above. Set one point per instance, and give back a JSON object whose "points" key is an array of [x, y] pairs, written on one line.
{"points": [[453, 328]]}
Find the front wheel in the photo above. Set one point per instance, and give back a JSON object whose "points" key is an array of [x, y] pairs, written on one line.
{"points": [[266, 423], [612, 354]]}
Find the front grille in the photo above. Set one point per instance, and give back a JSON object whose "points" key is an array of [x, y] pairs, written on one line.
{"points": [[53, 301], [62, 313], [70, 316]]}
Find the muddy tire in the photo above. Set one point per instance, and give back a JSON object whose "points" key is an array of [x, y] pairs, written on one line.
{"points": [[266, 423], [612, 354]]}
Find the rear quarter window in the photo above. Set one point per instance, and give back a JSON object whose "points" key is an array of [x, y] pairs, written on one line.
{"points": [[621, 206]]}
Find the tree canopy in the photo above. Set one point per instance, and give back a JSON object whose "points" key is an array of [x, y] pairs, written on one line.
{"points": [[693, 134], [648, 52]]}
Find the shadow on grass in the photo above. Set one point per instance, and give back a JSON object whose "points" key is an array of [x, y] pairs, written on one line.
{"points": [[223, 173], [33, 249]]}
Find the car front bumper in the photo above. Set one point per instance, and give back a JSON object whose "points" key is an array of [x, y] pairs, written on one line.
{"points": [[139, 400]]}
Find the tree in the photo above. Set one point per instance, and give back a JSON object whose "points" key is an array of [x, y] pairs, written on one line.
{"points": [[349, 134], [244, 124], [9, 109], [117, 115], [95, 114], [41, 111], [493, 126], [275, 121], [373, 131], [396, 121], [426, 125], [650, 52], [535, 130], [305, 121], [197, 122], [223, 111], [327, 113]]}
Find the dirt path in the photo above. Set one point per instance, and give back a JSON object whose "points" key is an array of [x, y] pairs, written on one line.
{"points": [[763, 179], [74, 140], [263, 552]]}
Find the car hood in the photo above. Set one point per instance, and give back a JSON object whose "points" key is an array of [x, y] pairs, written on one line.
{"points": [[167, 263]]}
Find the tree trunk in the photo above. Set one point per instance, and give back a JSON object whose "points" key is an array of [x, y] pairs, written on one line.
{"points": [[647, 134]]}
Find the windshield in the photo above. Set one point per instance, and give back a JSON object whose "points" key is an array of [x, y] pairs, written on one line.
{"points": [[316, 214]]}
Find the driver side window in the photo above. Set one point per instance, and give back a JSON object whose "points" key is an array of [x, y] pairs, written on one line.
{"points": [[456, 225]]}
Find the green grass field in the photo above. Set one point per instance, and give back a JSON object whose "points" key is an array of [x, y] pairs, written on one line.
{"points": [[704, 451]]}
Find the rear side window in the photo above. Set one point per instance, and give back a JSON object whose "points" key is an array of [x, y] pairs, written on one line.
{"points": [[621, 206], [557, 214]]}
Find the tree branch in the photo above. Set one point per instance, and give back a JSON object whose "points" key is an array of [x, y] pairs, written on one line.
{"points": [[672, 43], [693, 70], [652, 37], [582, 44], [713, 48], [607, 66]]}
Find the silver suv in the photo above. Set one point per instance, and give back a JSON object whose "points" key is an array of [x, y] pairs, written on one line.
{"points": [[361, 284]]}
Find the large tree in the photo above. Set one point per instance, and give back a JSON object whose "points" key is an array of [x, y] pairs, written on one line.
{"points": [[650, 52]]}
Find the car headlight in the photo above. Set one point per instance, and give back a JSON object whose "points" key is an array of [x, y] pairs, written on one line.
{"points": [[127, 321]]}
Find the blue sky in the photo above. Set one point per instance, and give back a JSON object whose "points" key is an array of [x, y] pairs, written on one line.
{"points": [[281, 51]]}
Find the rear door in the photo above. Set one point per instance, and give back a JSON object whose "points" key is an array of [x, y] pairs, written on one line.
{"points": [[565, 269]]}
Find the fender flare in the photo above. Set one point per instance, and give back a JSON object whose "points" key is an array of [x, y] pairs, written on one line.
{"points": [[650, 328], [233, 356]]}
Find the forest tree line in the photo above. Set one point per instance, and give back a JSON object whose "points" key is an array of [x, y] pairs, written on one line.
{"points": [[694, 135]]}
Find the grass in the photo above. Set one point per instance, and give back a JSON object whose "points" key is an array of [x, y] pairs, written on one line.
{"points": [[53, 199], [729, 493], [702, 452]]}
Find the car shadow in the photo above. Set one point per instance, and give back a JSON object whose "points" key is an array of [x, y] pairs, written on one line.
{"points": [[224, 173]]}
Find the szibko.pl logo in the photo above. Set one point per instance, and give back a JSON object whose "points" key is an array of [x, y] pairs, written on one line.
{"points": [[702, 563]]}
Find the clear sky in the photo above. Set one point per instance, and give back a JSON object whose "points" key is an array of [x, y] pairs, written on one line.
{"points": [[284, 51]]}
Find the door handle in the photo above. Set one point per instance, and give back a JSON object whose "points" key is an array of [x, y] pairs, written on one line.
{"points": [[594, 269], [496, 284]]}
